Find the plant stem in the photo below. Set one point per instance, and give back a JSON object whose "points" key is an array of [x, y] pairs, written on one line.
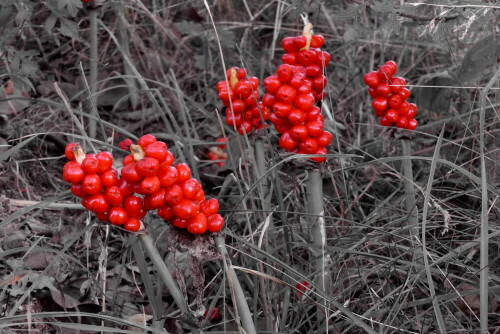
{"points": [[152, 252], [239, 299], [264, 187], [410, 201], [315, 206], [93, 69]]}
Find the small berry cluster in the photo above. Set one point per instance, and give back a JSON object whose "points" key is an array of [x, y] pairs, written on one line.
{"points": [[241, 99], [389, 97], [217, 152], [177, 197], [304, 51], [148, 182], [293, 92], [95, 181]]}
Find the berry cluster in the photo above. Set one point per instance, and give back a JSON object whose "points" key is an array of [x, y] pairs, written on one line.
{"points": [[217, 152], [241, 99], [169, 189], [94, 180], [304, 51], [149, 181], [293, 92], [389, 97]]}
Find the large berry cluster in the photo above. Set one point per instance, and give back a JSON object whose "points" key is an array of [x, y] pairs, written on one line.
{"points": [[149, 181], [241, 99], [390, 97], [94, 180], [293, 91]]}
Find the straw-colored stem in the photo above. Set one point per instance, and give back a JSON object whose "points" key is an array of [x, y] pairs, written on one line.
{"points": [[242, 310], [161, 267], [93, 69]]}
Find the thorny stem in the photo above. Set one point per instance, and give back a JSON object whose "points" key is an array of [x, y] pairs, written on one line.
{"points": [[242, 309], [152, 252]]}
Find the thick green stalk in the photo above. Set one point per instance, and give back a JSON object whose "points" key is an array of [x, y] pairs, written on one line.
{"points": [[410, 201], [93, 69], [315, 206], [240, 301], [161, 267]]}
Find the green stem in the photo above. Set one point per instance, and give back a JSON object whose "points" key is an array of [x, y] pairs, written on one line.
{"points": [[315, 205], [152, 252], [93, 69], [410, 201], [239, 299]]}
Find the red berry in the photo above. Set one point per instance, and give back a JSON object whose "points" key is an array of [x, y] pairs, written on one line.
{"points": [[68, 150], [198, 224], [114, 196], [90, 164], [91, 184], [287, 142], [254, 82], [371, 79], [97, 203], [147, 166], [314, 128], [102, 216], [128, 159], [180, 223], [322, 151], [397, 84], [157, 199], [77, 190], [73, 172], [385, 122], [282, 109], [210, 207], [134, 206], [125, 144], [289, 58], [383, 89], [169, 160], [305, 88], [380, 104], [297, 116], [117, 215], [157, 150], [190, 188], [313, 114], [319, 83], [317, 41], [132, 224], [173, 194], [166, 212], [313, 70], [386, 71], [322, 59], [233, 119], [286, 94], [185, 209], [245, 128], [213, 315], [309, 145], [200, 196], [297, 80], [298, 132], [300, 41], [394, 101], [306, 57], [268, 100], [146, 140], [277, 121], [150, 184], [304, 102], [412, 111], [288, 44], [412, 124], [302, 287], [402, 122], [324, 139], [404, 93], [125, 187], [238, 106], [129, 173], [404, 107], [243, 89], [284, 72], [392, 116], [168, 175], [215, 223], [271, 84], [105, 161]]}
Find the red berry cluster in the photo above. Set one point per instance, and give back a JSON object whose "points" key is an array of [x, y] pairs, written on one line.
{"points": [[95, 181], [217, 152], [241, 99], [169, 189], [149, 181], [389, 97], [304, 51], [293, 92]]}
